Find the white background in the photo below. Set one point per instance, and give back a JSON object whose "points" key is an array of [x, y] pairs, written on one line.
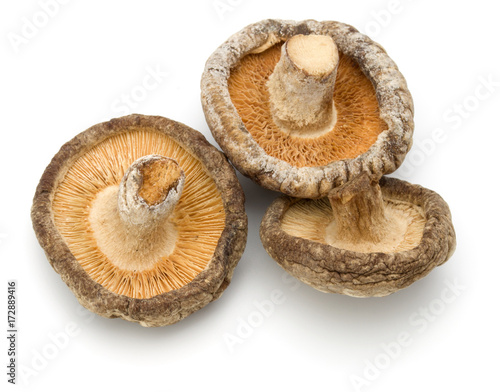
{"points": [[71, 73]]}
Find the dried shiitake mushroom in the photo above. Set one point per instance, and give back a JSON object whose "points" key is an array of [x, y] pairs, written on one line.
{"points": [[303, 107], [364, 239], [142, 218]]}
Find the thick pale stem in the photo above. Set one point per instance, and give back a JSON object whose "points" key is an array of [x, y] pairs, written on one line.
{"points": [[149, 191], [358, 209], [301, 85]]}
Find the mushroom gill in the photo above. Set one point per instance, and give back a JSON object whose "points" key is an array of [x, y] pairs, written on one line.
{"points": [[399, 228], [357, 124], [124, 259]]}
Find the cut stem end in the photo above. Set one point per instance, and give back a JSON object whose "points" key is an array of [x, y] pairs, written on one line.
{"points": [[302, 83], [150, 190]]}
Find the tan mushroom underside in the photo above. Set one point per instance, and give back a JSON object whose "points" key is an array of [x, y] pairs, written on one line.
{"points": [[358, 121], [119, 243], [313, 220], [86, 215]]}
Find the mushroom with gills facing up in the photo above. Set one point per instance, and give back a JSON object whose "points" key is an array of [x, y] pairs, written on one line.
{"points": [[364, 239], [303, 107], [142, 218]]}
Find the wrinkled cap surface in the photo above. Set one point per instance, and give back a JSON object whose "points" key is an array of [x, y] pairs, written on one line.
{"points": [[295, 233]]}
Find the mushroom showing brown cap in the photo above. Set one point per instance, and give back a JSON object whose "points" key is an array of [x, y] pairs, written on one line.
{"points": [[303, 107], [142, 218], [364, 239]]}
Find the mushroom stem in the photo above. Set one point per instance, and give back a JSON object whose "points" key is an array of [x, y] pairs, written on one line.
{"points": [[359, 211], [301, 85], [149, 191]]}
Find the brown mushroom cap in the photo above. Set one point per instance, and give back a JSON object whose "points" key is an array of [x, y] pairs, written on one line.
{"points": [[150, 244], [301, 235], [374, 122]]}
